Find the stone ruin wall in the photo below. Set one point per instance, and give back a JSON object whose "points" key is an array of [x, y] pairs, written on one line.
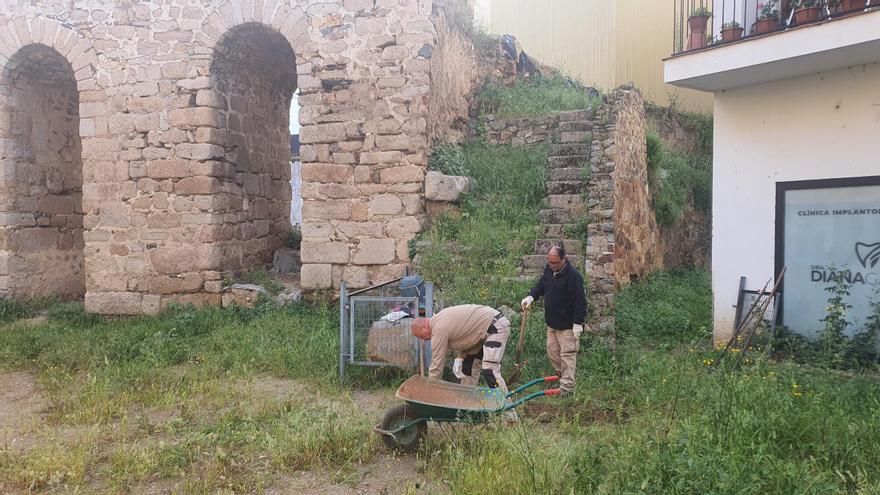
{"points": [[688, 243], [182, 179], [41, 232], [637, 243]]}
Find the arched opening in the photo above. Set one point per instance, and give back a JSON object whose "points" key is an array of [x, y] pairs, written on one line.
{"points": [[41, 233], [254, 70]]}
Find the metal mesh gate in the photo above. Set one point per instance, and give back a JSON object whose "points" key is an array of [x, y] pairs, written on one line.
{"points": [[369, 334]]}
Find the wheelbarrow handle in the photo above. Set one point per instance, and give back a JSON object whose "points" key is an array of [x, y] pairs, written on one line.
{"points": [[536, 381], [533, 395]]}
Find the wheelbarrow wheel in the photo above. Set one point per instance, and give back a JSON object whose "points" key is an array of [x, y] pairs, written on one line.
{"points": [[407, 440]]}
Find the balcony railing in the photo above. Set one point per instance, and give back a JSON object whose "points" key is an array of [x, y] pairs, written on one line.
{"points": [[703, 24]]}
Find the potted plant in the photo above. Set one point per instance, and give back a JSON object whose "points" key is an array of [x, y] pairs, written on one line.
{"points": [[768, 18], [697, 22], [851, 5], [805, 11], [731, 31]]}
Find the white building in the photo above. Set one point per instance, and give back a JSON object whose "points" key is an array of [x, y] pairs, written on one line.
{"points": [[796, 151]]}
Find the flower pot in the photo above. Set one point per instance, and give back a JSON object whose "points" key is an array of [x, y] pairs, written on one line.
{"points": [[731, 34], [851, 5], [696, 41], [697, 24], [766, 25], [806, 15]]}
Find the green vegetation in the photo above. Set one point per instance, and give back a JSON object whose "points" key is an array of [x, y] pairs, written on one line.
{"points": [[294, 237], [677, 180], [835, 348], [669, 308], [535, 97], [498, 223]]}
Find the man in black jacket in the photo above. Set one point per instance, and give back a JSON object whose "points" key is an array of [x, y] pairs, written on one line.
{"points": [[565, 309]]}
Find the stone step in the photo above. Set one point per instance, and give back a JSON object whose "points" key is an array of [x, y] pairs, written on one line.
{"points": [[557, 230], [572, 246], [534, 263], [576, 115], [575, 137], [575, 126], [570, 161], [565, 187], [566, 200], [556, 215], [569, 149], [569, 173]]}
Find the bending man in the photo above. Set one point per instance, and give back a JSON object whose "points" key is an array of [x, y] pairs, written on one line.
{"points": [[477, 333]]}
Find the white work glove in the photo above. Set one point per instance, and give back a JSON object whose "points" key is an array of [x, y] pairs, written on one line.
{"points": [[577, 330], [527, 302], [456, 368]]}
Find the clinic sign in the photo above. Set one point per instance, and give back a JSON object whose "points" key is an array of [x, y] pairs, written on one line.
{"points": [[824, 229]]}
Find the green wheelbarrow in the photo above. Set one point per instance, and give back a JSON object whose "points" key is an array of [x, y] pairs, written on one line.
{"points": [[404, 426]]}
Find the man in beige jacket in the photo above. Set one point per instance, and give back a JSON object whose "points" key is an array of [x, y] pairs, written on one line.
{"points": [[477, 333]]}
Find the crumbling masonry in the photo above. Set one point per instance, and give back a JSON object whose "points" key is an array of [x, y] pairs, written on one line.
{"points": [[144, 145]]}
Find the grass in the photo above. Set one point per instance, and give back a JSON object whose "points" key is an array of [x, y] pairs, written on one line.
{"points": [[498, 224], [178, 396], [535, 97]]}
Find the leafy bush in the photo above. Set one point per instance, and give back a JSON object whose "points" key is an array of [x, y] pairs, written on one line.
{"points": [[448, 159], [834, 348], [294, 237], [676, 179], [666, 308], [535, 97]]}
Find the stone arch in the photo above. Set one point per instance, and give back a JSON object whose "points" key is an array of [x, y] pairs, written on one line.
{"points": [[41, 176], [252, 80]]}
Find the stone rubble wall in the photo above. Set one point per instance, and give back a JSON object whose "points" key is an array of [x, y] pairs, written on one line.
{"points": [[454, 79], [623, 238], [638, 248], [181, 169], [688, 243], [521, 131]]}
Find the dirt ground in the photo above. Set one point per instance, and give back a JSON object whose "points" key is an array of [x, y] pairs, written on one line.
{"points": [[21, 419], [20, 408]]}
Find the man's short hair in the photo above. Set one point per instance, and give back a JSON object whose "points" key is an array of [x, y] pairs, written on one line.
{"points": [[559, 250]]}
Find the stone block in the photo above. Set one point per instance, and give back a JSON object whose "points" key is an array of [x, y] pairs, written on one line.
{"points": [[202, 151], [385, 204], [315, 276], [399, 227], [407, 173], [439, 187], [114, 303], [322, 133], [286, 260], [356, 277], [374, 252], [326, 172], [326, 210], [324, 252], [197, 185]]}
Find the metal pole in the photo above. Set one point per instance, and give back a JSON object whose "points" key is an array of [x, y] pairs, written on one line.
{"points": [[343, 301]]}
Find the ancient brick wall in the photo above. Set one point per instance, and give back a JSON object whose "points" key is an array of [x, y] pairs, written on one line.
{"points": [[184, 149]]}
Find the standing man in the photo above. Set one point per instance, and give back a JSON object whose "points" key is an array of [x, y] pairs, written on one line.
{"points": [[565, 309], [479, 335]]}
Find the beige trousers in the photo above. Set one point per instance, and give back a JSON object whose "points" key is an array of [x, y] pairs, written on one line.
{"points": [[562, 349], [493, 351]]}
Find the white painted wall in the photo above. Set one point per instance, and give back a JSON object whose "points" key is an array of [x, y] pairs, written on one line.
{"points": [[811, 127]]}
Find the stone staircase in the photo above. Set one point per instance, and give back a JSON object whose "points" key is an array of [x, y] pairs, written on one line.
{"points": [[566, 161]]}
